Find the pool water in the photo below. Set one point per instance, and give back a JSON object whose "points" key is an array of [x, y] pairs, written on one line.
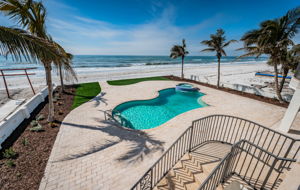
{"points": [[147, 114]]}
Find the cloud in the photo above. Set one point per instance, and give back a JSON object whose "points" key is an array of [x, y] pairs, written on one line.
{"points": [[82, 35]]}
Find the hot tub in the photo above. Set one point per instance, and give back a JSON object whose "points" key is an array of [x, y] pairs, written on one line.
{"points": [[185, 87]]}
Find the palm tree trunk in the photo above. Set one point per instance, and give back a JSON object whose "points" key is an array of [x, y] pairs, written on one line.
{"points": [[50, 89], [285, 73], [182, 62], [276, 83], [61, 79], [219, 69]]}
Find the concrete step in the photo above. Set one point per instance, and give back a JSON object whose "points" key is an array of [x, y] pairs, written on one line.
{"points": [[235, 185], [193, 169]]}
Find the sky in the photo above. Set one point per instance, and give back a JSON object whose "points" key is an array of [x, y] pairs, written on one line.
{"points": [[151, 27]]}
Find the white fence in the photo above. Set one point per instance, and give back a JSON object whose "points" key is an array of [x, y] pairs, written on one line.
{"points": [[11, 122], [247, 89]]}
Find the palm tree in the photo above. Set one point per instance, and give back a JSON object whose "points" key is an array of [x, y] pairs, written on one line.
{"points": [[22, 45], [289, 62], [32, 15], [273, 38], [179, 51], [217, 43], [64, 65]]}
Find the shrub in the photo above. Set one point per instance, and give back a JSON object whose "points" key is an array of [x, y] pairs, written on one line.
{"points": [[10, 163], [25, 141], [33, 123], [40, 117], [10, 153], [37, 128]]}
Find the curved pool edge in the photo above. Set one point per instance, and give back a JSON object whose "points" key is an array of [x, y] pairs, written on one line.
{"points": [[203, 104]]}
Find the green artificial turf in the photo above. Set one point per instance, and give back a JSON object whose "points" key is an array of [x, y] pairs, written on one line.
{"points": [[133, 81], [85, 92]]}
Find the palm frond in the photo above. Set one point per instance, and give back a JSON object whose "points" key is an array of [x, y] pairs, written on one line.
{"points": [[229, 42], [208, 50], [21, 44], [217, 43], [179, 50], [65, 61]]}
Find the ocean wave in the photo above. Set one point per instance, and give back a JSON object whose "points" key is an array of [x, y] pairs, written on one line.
{"points": [[160, 63], [124, 65]]}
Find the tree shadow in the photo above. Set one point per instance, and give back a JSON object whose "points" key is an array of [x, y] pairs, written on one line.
{"points": [[99, 98], [142, 143]]}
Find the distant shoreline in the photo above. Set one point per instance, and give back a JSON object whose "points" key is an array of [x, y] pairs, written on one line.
{"points": [[114, 73], [231, 74]]}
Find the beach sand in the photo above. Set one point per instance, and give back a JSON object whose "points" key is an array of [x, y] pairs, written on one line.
{"points": [[241, 74], [18, 93]]}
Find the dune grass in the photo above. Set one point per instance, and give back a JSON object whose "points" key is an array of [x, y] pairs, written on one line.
{"points": [[85, 92], [133, 81]]}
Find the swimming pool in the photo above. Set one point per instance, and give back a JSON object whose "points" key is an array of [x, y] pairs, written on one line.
{"points": [[147, 114]]}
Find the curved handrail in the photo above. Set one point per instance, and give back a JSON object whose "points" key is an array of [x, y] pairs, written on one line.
{"points": [[221, 172], [224, 115], [220, 128], [267, 152]]}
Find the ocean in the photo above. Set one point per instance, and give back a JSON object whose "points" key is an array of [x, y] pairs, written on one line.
{"points": [[88, 63]]}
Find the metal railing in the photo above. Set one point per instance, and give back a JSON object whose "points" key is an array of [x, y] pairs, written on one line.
{"points": [[257, 167], [225, 129]]}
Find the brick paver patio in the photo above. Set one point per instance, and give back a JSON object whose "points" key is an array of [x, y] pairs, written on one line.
{"points": [[91, 153]]}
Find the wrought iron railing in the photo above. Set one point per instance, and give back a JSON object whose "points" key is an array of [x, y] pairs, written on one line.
{"points": [[257, 167], [225, 129]]}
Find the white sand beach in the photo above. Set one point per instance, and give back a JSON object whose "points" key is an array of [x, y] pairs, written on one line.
{"points": [[231, 74]]}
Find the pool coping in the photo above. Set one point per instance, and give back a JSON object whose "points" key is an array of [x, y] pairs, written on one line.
{"points": [[156, 96]]}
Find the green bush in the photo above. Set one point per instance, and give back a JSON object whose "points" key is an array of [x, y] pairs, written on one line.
{"points": [[10, 163], [10, 153], [37, 128], [25, 142], [40, 117], [33, 123]]}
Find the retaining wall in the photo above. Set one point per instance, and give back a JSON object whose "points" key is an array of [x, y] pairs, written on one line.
{"points": [[11, 122]]}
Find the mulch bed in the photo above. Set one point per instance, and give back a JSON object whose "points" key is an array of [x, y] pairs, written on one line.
{"points": [[248, 95], [32, 157]]}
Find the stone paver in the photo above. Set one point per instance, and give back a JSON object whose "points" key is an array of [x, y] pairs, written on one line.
{"points": [[91, 153]]}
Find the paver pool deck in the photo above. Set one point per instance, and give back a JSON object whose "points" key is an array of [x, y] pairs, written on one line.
{"points": [[91, 153]]}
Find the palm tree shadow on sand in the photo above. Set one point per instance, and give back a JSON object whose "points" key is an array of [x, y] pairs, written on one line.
{"points": [[141, 143]]}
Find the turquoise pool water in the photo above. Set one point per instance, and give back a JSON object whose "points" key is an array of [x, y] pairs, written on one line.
{"points": [[147, 114]]}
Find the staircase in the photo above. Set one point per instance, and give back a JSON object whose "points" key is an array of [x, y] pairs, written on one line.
{"points": [[218, 150], [194, 167]]}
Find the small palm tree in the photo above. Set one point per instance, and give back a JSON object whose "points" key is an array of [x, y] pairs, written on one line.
{"points": [[179, 51], [217, 43], [273, 38], [32, 16]]}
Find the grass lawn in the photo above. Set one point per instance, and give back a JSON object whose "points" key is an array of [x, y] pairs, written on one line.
{"points": [[133, 81], [85, 92]]}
